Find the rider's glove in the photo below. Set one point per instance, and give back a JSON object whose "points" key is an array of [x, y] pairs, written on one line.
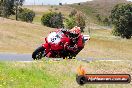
{"points": [[74, 48]]}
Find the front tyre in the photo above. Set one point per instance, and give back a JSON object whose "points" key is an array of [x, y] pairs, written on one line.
{"points": [[38, 53]]}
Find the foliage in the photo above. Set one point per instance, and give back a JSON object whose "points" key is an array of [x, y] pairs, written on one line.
{"points": [[73, 13], [98, 17], [80, 21], [26, 15], [70, 22], [106, 21], [79, 3], [8, 7], [0, 7], [75, 19], [52, 19], [121, 17]]}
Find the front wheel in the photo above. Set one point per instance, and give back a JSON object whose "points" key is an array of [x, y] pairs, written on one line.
{"points": [[38, 53]]}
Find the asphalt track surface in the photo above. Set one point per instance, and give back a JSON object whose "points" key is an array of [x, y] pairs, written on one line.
{"points": [[28, 58]]}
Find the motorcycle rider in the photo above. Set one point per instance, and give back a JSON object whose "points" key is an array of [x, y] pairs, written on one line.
{"points": [[75, 45], [74, 42]]}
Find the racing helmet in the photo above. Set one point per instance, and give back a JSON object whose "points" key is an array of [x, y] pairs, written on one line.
{"points": [[75, 32]]}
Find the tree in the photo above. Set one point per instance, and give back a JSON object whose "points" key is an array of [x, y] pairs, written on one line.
{"points": [[8, 7], [17, 4], [1, 7], [121, 17]]}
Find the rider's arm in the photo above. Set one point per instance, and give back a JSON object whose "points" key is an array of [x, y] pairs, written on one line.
{"points": [[65, 31], [67, 46], [80, 41]]}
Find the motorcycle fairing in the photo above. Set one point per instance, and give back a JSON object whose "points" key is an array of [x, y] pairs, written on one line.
{"points": [[54, 38]]}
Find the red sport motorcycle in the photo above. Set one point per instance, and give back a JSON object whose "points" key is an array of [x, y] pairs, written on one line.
{"points": [[54, 46]]}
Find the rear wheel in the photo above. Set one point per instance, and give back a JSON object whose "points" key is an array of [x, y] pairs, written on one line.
{"points": [[38, 53]]}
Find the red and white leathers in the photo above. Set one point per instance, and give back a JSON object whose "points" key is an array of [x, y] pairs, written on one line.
{"points": [[74, 46], [78, 44]]}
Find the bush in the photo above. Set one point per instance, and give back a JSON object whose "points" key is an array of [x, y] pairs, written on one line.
{"points": [[98, 18], [75, 20], [79, 3], [52, 19], [106, 21], [80, 21], [73, 13], [70, 23], [26, 14], [121, 17]]}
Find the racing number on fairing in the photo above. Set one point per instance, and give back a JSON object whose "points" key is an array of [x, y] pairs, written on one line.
{"points": [[53, 39]]}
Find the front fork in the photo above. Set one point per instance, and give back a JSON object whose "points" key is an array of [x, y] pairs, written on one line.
{"points": [[47, 48]]}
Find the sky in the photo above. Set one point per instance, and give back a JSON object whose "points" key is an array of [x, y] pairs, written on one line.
{"points": [[52, 2], [129, 0]]}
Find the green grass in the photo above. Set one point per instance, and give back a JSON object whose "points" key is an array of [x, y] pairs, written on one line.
{"points": [[57, 74], [26, 77]]}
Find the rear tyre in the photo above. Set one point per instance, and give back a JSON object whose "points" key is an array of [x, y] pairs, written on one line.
{"points": [[38, 53]]}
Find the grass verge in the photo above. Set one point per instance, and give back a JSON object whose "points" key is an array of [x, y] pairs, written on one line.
{"points": [[57, 74], [26, 77]]}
